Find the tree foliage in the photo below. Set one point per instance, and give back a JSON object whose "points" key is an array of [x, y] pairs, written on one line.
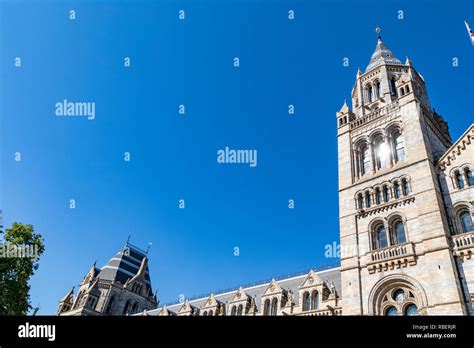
{"points": [[19, 256]]}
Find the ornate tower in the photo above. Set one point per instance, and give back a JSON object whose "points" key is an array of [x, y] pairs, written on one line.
{"points": [[396, 257], [121, 287]]}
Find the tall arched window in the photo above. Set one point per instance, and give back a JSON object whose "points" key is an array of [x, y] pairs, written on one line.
{"points": [[127, 307], [360, 201], [274, 306], [204, 314], [315, 300], [378, 89], [240, 309], [306, 301], [365, 160], [211, 313], [469, 177], [398, 232], [405, 187], [110, 305], [386, 194], [380, 237], [382, 153], [266, 307], [393, 88], [368, 199], [233, 311], [369, 93], [396, 190], [459, 180], [399, 146], [466, 221], [378, 196]]}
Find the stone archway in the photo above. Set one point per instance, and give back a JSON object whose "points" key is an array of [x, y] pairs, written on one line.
{"points": [[396, 293]]}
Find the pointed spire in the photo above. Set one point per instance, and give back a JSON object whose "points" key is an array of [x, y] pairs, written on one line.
{"points": [[359, 72], [381, 55], [408, 62]]}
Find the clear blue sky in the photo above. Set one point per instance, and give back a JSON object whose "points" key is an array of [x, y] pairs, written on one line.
{"points": [[174, 157]]}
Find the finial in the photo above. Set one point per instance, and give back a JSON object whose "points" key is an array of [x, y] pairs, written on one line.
{"points": [[148, 248], [128, 239], [377, 30]]}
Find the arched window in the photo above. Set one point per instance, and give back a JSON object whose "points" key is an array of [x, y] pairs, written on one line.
{"points": [[135, 308], [378, 196], [365, 160], [233, 311], [266, 307], [407, 89], [398, 232], [399, 146], [382, 153], [204, 314], [378, 89], [240, 309], [396, 190], [127, 307], [315, 300], [369, 93], [360, 200], [402, 92], [459, 180], [368, 199], [411, 310], [306, 301], [386, 194], [405, 187], [466, 221], [274, 306], [110, 305], [469, 177], [391, 311], [380, 240], [211, 313], [393, 88]]}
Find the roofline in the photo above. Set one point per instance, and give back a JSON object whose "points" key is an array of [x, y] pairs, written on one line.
{"points": [[245, 289], [448, 151]]}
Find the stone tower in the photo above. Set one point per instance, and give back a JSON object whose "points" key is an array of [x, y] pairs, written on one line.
{"points": [[396, 254], [121, 287]]}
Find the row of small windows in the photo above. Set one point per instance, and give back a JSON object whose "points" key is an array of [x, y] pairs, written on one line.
{"points": [[237, 310], [137, 288], [383, 195], [310, 302], [379, 153], [384, 235], [373, 91], [404, 90], [464, 178]]}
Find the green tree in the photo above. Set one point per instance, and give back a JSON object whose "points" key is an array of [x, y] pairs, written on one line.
{"points": [[17, 265]]}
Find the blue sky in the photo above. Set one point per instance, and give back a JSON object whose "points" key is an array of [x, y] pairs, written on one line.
{"points": [[173, 157]]}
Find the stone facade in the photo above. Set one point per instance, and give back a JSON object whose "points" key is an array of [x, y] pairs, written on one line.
{"points": [[406, 198], [396, 204]]}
